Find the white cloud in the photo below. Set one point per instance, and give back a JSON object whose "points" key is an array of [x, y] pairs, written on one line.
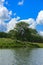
{"points": [[14, 14], [21, 2], [2, 2], [40, 17], [33, 25], [18, 18], [30, 21], [10, 12], [3, 26], [12, 23], [5, 15], [41, 33]]}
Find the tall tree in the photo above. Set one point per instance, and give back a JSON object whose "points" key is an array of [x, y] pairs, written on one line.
{"points": [[22, 30]]}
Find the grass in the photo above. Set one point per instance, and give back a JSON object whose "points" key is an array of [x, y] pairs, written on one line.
{"points": [[10, 43]]}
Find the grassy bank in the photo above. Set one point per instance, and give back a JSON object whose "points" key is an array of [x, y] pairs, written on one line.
{"points": [[9, 43]]}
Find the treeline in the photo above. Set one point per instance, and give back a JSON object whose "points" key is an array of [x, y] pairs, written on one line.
{"points": [[22, 32]]}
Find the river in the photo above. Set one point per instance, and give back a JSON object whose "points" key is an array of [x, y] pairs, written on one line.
{"points": [[21, 56]]}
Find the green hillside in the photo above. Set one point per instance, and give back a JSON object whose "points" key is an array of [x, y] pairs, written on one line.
{"points": [[9, 43]]}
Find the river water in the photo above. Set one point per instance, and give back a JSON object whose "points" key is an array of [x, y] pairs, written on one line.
{"points": [[21, 56]]}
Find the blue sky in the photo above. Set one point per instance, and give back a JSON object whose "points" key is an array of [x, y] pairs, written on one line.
{"points": [[29, 8], [25, 10]]}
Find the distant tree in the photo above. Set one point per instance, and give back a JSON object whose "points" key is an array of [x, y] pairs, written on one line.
{"points": [[11, 34], [33, 31], [22, 31], [3, 35]]}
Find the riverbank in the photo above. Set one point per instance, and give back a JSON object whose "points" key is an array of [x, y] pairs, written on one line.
{"points": [[10, 43]]}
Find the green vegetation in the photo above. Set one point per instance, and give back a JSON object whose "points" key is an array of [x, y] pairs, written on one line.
{"points": [[22, 32], [9, 43], [21, 36]]}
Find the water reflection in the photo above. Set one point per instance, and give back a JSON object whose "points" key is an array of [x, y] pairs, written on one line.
{"points": [[21, 56]]}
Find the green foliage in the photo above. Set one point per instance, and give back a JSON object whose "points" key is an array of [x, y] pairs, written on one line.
{"points": [[3, 34], [33, 31], [22, 32], [10, 43]]}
